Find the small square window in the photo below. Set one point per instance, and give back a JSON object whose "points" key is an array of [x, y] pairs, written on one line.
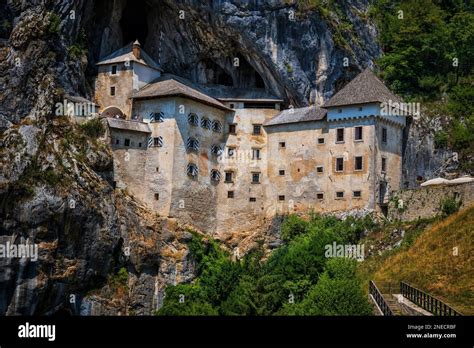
{"points": [[127, 142], [358, 133], [321, 141], [282, 144], [255, 178], [232, 128], [157, 196], [358, 163], [357, 194], [139, 144], [384, 164], [252, 199], [340, 135], [114, 69], [281, 172], [230, 194], [228, 176], [257, 129], [232, 106], [230, 151], [340, 194], [112, 91], [384, 134], [320, 196], [320, 169], [281, 198], [117, 142], [339, 111], [360, 108], [340, 164]]}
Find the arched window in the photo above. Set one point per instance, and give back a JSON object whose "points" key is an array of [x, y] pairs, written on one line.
{"points": [[192, 170], [216, 150], [215, 175], [192, 144], [205, 123], [157, 117], [193, 119], [216, 126]]}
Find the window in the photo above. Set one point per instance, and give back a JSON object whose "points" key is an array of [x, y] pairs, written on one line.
{"points": [[255, 178], [281, 198], [358, 163], [158, 141], [114, 69], [340, 135], [257, 129], [320, 169], [358, 133], [216, 126], [216, 150], [112, 91], [384, 134], [193, 119], [321, 141], [156, 117], [281, 144], [206, 123], [192, 170], [139, 144], [339, 111], [192, 144], [252, 199], [232, 128], [256, 154], [231, 105], [281, 172], [230, 194], [339, 194], [357, 194], [360, 108], [127, 142], [320, 196], [230, 151], [384, 164], [215, 175], [340, 164], [117, 142], [157, 196], [229, 176]]}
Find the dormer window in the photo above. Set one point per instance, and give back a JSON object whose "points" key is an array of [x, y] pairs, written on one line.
{"points": [[192, 144], [193, 119], [114, 70]]}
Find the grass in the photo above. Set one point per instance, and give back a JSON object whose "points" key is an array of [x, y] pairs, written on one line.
{"points": [[430, 263]]}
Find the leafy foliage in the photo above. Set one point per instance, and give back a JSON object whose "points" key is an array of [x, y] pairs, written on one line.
{"points": [[93, 128], [254, 286]]}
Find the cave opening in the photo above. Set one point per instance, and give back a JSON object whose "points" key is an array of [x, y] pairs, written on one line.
{"points": [[134, 22], [248, 77]]}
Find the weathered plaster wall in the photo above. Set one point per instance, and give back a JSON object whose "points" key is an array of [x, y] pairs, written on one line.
{"points": [[425, 202]]}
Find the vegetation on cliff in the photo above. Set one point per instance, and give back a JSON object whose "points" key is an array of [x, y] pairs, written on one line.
{"points": [[297, 278]]}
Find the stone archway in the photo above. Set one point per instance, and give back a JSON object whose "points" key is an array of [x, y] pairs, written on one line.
{"points": [[113, 112]]}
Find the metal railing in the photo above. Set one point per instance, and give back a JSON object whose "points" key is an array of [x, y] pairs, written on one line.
{"points": [[379, 299], [426, 301]]}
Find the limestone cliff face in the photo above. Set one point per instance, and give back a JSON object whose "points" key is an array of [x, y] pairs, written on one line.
{"points": [[54, 187]]}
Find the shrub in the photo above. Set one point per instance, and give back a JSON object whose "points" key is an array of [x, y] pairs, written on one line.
{"points": [[450, 206], [93, 128], [54, 23], [293, 226]]}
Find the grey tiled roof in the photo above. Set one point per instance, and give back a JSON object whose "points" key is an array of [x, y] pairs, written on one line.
{"points": [[128, 125], [170, 85], [364, 88], [126, 54], [306, 114]]}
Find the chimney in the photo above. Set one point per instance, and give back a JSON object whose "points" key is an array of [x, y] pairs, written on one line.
{"points": [[136, 49]]}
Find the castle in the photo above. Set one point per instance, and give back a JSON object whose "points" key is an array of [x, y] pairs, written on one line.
{"points": [[226, 159]]}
